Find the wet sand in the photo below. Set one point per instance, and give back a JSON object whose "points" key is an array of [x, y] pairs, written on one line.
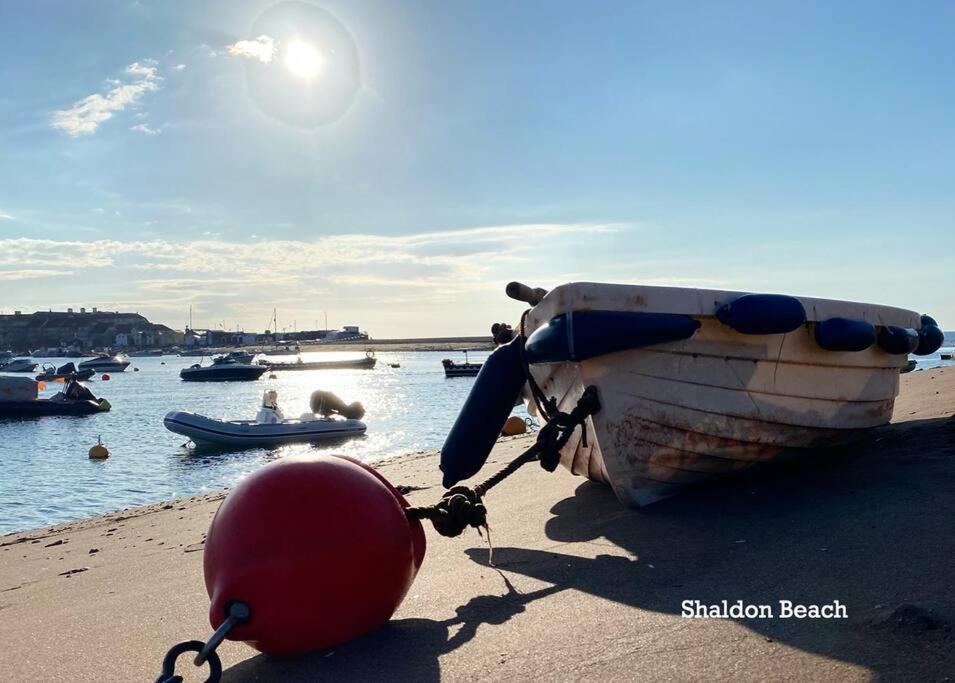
{"points": [[582, 588]]}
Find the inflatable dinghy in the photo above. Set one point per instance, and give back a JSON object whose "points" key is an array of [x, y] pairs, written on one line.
{"points": [[330, 419]]}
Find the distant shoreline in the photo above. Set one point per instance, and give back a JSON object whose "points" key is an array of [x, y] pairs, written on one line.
{"points": [[482, 343]]}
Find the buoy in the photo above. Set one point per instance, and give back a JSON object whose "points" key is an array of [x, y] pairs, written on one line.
{"points": [[104, 377], [514, 426], [99, 451], [311, 576], [135, 369], [273, 376]]}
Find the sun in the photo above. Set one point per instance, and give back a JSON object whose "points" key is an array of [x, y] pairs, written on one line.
{"points": [[303, 59]]}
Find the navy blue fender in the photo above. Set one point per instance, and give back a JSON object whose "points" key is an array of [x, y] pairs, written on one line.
{"points": [[762, 313], [579, 335], [898, 340], [930, 339], [845, 334], [483, 414], [928, 320]]}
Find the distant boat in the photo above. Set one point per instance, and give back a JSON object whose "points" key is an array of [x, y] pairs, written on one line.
{"points": [[106, 363], [223, 369], [465, 369], [945, 356], [19, 399], [151, 353], [51, 373], [18, 365], [366, 363], [284, 351]]}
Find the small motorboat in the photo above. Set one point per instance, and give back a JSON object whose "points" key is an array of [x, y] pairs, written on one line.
{"points": [[223, 369], [51, 373], [149, 353], [366, 363], [18, 365], [105, 362], [465, 369], [330, 419], [19, 397], [693, 384], [945, 355]]}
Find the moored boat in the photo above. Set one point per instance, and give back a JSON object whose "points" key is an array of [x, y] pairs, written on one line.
{"points": [[51, 373], [105, 362], [366, 363], [18, 365], [465, 369], [223, 369], [330, 419], [19, 398], [693, 384]]}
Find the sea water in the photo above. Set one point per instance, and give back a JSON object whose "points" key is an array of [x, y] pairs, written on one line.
{"points": [[47, 476]]}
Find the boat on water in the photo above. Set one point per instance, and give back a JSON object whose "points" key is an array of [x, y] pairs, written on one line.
{"points": [[693, 384], [149, 353], [330, 419], [105, 362], [465, 369], [19, 398], [51, 373], [366, 363], [284, 351], [18, 365], [223, 369]]}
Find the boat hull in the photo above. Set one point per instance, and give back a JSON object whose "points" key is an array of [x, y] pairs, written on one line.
{"points": [[204, 430], [234, 373], [687, 412], [45, 407], [358, 364]]}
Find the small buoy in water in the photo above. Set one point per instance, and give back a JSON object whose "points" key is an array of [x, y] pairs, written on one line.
{"points": [[396, 365], [163, 363], [135, 369], [514, 426], [273, 376], [99, 451], [104, 377]]}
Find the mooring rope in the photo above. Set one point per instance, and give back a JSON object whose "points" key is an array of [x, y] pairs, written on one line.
{"points": [[462, 506]]}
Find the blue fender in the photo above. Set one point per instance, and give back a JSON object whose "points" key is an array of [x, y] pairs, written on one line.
{"points": [[495, 391], [931, 339], [762, 313], [928, 320], [844, 334], [579, 335], [898, 340]]}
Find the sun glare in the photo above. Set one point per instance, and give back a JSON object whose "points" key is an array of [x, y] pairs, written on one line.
{"points": [[303, 59]]}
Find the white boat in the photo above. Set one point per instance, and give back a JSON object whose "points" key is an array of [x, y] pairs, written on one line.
{"points": [[695, 384], [106, 363], [270, 428], [18, 365]]}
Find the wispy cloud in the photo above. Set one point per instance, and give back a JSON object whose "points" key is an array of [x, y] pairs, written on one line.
{"points": [[30, 274], [145, 129], [86, 115], [179, 67], [262, 48], [5, 216]]}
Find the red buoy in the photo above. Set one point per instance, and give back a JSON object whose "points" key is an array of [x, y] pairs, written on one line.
{"points": [[320, 550], [104, 377]]}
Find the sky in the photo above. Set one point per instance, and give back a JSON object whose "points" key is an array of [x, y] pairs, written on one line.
{"points": [[394, 165]]}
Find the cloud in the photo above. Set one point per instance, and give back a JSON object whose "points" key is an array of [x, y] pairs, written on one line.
{"points": [[179, 67], [262, 48], [5, 216], [145, 129], [86, 115], [6, 275]]}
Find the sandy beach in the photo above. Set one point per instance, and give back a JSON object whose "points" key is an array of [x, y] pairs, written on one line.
{"points": [[582, 588]]}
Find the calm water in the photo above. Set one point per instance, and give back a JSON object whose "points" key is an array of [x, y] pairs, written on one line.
{"points": [[48, 477]]}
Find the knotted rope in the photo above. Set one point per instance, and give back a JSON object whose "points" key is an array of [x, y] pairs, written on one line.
{"points": [[462, 506]]}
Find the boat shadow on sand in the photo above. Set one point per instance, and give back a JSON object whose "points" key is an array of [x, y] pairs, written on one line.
{"points": [[870, 526]]}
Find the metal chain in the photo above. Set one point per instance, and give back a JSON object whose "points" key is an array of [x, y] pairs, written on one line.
{"points": [[238, 613]]}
